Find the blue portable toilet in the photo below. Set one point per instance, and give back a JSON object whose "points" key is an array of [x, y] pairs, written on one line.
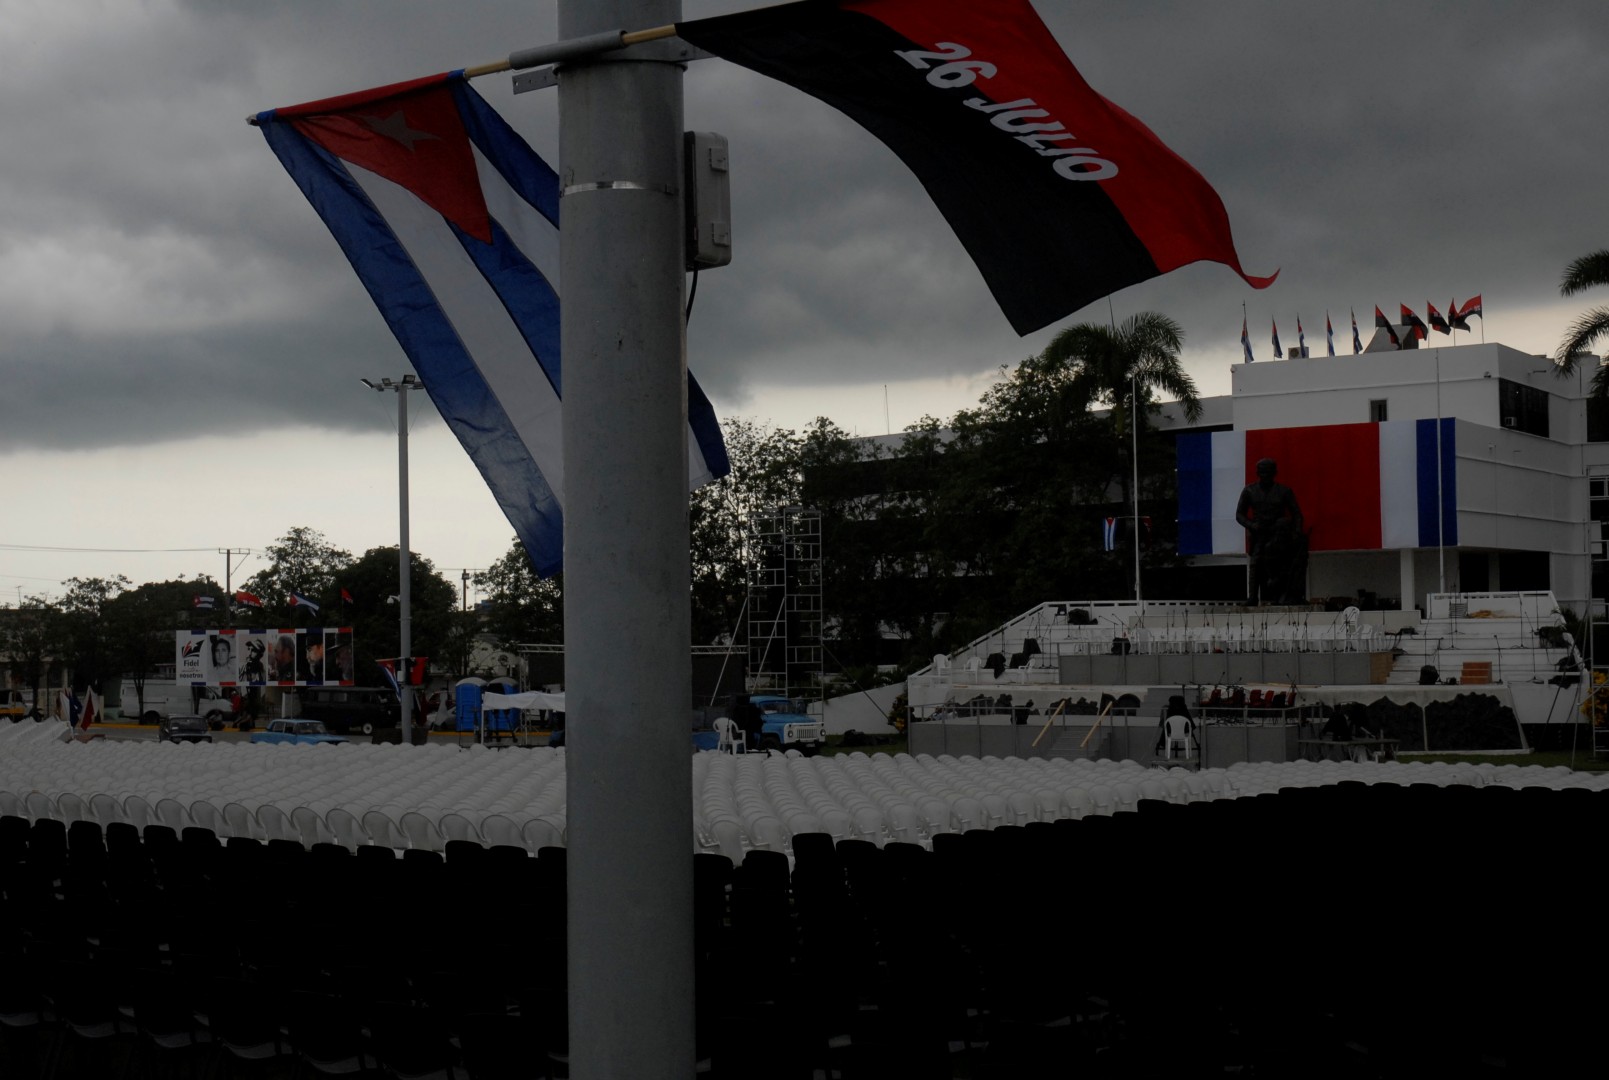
{"points": [[466, 704]]}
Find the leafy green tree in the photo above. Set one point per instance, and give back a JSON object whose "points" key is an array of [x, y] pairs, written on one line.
{"points": [[144, 618], [302, 562], [519, 606], [1587, 272], [93, 640], [375, 617], [32, 637], [765, 474]]}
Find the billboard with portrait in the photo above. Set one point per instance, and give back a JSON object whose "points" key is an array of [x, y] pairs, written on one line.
{"points": [[300, 656]]}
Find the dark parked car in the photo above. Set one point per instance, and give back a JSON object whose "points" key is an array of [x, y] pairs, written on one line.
{"points": [[346, 709], [183, 728]]}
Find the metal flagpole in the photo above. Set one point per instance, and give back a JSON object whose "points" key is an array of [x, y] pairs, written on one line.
{"points": [[1134, 454], [626, 612], [1441, 513]]}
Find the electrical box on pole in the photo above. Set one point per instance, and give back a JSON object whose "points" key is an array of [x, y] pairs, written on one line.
{"points": [[707, 199]]}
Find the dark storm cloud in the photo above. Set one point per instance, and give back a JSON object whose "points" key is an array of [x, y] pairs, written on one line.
{"points": [[160, 274]]}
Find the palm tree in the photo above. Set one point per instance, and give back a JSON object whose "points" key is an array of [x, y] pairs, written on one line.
{"points": [[1113, 365], [1120, 367], [1585, 273]]}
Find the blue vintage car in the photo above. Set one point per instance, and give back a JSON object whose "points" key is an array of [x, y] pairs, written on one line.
{"points": [[297, 732]]}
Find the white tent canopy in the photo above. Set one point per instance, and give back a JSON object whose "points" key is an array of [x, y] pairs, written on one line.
{"points": [[531, 699]]}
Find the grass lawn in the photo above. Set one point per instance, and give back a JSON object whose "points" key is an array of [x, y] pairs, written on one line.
{"points": [[896, 744], [1584, 761]]}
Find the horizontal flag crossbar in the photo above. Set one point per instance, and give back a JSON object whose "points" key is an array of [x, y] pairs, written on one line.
{"points": [[571, 49]]}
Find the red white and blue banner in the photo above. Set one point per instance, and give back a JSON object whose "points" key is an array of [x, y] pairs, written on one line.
{"points": [[452, 223], [1059, 196], [1361, 487]]}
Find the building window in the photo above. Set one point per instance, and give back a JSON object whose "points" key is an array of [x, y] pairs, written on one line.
{"points": [[1377, 412], [1522, 408], [1597, 419]]}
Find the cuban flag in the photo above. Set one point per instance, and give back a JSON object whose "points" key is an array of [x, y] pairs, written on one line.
{"points": [[1301, 338], [1361, 487], [1277, 351], [202, 603], [1357, 342], [451, 222], [1245, 341], [298, 600], [1109, 533]]}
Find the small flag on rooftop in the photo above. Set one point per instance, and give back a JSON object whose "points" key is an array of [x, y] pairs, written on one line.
{"points": [[1436, 321]]}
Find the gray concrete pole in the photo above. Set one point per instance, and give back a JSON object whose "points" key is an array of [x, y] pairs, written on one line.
{"points": [[627, 637]]}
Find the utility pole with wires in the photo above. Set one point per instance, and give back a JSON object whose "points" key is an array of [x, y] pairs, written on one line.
{"points": [[228, 569]]}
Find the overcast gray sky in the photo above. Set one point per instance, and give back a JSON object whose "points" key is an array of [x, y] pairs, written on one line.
{"points": [[181, 339]]}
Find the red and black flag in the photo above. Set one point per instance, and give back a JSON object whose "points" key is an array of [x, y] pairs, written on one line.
{"points": [[1460, 315], [1412, 320], [1436, 321], [1059, 196], [1385, 324]]}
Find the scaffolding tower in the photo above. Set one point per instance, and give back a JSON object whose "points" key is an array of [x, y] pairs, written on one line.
{"points": [[785, 649]]}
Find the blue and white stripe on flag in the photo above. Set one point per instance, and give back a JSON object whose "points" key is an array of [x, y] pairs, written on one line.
{"points": [[451, 221]]}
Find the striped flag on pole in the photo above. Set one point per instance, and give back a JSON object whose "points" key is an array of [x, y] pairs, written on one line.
{"points": [[451, 221]]}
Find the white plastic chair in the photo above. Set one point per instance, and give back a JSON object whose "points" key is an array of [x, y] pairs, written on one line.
{"points": [[171, 812], [383, 831], [105, 809], [310, 827], [241, 821], [1178, 733], [137, 812], [421, 832], [273, 823], [729, 738], [346, 827], [499, 829], [539, 832], [206, 816], [459, 827], [39, 806], [71, 807]]}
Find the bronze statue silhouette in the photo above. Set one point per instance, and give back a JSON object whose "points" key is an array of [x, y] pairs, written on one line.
{"points": [[1273, 523]]}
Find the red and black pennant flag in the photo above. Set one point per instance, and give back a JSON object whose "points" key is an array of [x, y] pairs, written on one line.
{"points": [[1461, 315], [1059, 196], [1436, 321], [1384, 323], [1411, 319]]}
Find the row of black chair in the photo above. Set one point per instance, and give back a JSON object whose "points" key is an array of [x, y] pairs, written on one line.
{"points": [[1338, 931]]}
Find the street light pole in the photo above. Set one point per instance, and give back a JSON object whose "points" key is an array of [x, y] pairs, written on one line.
{"points": [[404, 557]]}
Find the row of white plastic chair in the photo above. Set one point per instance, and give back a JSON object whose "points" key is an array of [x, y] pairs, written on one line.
{"points": [[425, 797]]}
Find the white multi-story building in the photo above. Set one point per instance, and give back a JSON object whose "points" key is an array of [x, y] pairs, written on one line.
{"points": [[1522, 475]]}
